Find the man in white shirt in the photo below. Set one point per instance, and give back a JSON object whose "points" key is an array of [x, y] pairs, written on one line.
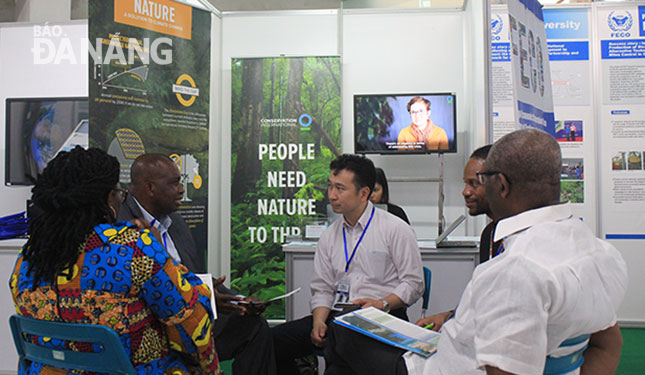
{"points": [[368, 257], [554, 280]]}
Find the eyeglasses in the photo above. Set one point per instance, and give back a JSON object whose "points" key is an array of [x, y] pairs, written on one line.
{"points": [[122, 192], [482, 176], [416, 112]]}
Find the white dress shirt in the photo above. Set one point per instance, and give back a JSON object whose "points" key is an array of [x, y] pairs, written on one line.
{"points": [[162, 225], [387, 260], [554, 281]]}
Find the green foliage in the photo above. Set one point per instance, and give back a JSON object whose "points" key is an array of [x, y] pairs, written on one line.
{"points": [[572, 191], [373, 119]]}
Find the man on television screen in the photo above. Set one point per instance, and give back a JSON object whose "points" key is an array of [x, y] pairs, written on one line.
{"points": [[422, 134]]}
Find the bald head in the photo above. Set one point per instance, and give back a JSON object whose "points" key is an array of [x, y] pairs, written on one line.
{"points": [[156, 184], [530, 163], [147, 167]]}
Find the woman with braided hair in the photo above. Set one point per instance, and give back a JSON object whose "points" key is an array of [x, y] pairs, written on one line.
{"points": [[80, 266]]}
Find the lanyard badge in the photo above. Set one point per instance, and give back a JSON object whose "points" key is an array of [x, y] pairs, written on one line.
{"points": [[344, 283]]}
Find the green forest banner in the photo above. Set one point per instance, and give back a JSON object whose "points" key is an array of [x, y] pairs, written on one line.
{"points": [[285, 132], [149, 78]]}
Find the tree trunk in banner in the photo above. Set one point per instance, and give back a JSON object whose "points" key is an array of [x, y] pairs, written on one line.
{"points": [[294, 110], [248, 167], [272, 131]]}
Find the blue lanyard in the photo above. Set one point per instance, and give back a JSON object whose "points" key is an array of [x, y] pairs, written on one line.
{"points": [[500, 249], [163, 235], [348, 261]]}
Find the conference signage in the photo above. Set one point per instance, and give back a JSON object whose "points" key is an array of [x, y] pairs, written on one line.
{"points": [[568, 33], [621, 34], [149, 91], [502, 73], [533, 101], [285, 127]]}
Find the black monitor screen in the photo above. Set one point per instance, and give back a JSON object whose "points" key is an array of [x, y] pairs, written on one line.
{"points": [[405, 123], [39, 128]]}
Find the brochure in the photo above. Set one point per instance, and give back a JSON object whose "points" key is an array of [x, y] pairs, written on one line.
{"points": [[391, 330], [207, 279], [288, 294]]}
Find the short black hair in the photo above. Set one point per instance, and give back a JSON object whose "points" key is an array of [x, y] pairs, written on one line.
{"points": [[363, 168], [382, 180], [481, 153]]}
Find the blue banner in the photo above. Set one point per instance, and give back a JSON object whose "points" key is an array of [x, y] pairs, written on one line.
{"points": [[622, 49], [501, 51], [534, 7], [568, 51], [566, 23], [534, 117]]}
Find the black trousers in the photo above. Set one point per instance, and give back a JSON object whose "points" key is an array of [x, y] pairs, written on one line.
{"points": [[247, 339], [350, 353], [292, 340]]}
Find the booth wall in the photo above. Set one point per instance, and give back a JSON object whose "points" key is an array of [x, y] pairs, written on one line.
{"points": [[21, 76], [216, 257], [418, 52]]}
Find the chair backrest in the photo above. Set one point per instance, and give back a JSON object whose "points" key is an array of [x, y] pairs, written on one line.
{"points": [[568, 363], [427, 278], [112, 358]]}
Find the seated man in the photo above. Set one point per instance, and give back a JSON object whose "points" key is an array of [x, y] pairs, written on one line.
{"points": [[368, 258], [154, 196], [474, 194], [553, 281]]}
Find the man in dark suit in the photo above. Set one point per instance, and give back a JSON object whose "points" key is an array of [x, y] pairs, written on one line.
{"points": [[154, 196]]}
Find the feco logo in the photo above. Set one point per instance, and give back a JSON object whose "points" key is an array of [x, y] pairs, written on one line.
{"points": [[620, 22], [496, 26]]}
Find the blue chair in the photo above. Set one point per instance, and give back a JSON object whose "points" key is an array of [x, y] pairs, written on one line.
{"points": [[427, 278], [568, 363], [111, 359]]}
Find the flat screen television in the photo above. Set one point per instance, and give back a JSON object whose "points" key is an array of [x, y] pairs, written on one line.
{"points": [[405, 123], [39, 128]]}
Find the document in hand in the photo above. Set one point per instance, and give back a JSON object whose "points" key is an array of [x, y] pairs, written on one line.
{"points": [[207, 279], [391, 330], [289, 294]]}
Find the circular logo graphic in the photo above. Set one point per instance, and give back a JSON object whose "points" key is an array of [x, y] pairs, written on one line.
{"points": [[620, 20], [177, 159], [185, 78], [496, 24], [305, 120], [197, 181]]}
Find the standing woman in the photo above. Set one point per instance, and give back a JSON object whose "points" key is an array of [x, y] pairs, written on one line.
{"points": [[381, 195], [79, 266]]}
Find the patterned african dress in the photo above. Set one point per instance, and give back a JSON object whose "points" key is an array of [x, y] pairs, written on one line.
{"points": [[125, 279]]}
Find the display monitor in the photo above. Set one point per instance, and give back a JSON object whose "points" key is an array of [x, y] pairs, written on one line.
{"points": [[405, 123], [39, 128]]}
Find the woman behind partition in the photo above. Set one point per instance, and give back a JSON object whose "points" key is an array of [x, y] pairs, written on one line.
{"points": [[381, 195], [79, 266]]}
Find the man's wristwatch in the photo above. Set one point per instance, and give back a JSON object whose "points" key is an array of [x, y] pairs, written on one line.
{"points": [[386, 306]]}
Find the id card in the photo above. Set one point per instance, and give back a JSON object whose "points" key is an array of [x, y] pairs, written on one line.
{"points": [[342, 291]]}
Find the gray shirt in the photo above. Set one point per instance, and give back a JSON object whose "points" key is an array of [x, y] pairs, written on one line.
{"points": [[387, 260]]}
